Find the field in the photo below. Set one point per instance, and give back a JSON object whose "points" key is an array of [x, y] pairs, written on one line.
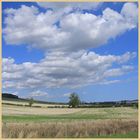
{"points": [[41, 122], [25, 103]]}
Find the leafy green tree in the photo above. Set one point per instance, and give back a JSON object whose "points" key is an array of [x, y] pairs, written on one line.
{"points": [[31, 101], [74, 100]]}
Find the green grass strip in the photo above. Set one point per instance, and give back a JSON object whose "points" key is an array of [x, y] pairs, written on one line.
{"points": [[128, 135]]}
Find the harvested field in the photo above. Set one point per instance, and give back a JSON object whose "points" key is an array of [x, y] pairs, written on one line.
{"points": [[85, 113], [19, 110], [33, 122]]}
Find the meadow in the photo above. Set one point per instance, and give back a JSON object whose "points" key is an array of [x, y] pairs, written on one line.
{"points": [[44, 122]]}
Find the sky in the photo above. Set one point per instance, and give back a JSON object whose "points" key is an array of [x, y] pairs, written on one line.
{"points": [[50, 50]]}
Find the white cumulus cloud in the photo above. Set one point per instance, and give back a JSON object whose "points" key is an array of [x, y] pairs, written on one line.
{"points": [[64, 71], [65, 39], [76, 31], [68, 6]]}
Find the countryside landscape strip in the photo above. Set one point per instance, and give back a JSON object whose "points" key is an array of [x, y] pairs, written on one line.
{"points": [[70, 69]]}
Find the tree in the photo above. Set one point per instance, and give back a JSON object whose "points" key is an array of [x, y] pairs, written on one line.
{"points": [[74, 100], [31, 101]]}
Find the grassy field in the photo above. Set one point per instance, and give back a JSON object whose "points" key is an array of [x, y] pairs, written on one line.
{"points": [[68, 122]]}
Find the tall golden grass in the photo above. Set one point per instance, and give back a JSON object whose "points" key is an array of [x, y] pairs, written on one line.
{"points": [[74, 129]]}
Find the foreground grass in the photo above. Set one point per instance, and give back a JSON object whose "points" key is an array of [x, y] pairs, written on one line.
{"points": [[127, 135], [74, 129]]}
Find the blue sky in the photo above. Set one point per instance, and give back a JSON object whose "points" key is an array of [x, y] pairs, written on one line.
{"points": [[91, 52]]}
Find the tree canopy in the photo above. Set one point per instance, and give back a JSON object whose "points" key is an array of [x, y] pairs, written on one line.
{"points": [[74, 100]]}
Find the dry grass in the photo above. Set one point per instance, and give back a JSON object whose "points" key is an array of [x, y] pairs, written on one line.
{"points": [[68, 129], [116, 112], [19, 110]]}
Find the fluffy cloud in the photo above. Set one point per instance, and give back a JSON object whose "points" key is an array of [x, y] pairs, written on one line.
{"points": [[130, 16], [68, 6], [70, 71], [65, 38], [73, 32]]}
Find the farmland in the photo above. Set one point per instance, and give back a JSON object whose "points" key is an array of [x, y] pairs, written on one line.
{"points": [[68, 113], [23, 121]]}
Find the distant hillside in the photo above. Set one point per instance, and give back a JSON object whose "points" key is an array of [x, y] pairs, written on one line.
{"points": [[7, 95], [11, 97]]}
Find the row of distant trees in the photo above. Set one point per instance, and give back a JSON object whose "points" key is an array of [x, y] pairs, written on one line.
{"points": [[74, 100]]}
